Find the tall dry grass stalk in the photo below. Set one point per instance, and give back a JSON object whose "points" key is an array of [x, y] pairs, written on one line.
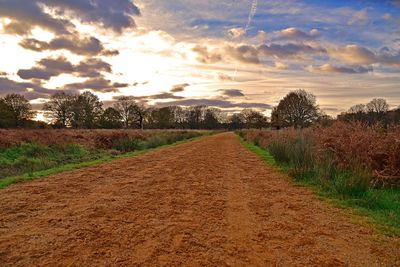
{"points": [[350, 148]]}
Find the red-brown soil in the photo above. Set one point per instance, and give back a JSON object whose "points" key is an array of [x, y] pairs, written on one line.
{"points": [[209, 202]]}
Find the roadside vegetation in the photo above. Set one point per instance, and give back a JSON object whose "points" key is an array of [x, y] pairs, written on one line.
{"points": [[354, 159], [25, 153], [358, 165]]}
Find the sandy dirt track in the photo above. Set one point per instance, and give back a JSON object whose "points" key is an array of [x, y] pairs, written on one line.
{"points": [[209, 202]]}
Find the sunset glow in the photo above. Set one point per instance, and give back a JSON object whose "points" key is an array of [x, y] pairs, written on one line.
{"points": [[343, 52]]}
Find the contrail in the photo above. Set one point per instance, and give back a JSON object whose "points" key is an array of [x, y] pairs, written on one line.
{"points": [[252, 13]]}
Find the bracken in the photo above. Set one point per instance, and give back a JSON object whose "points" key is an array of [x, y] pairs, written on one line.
{"points": [[348, 146]]}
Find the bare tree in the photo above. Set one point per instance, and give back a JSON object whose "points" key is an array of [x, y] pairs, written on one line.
{"points": [[140, 111], [298, 109], [59, 109], [357, 109], [125, 106], [378, 105], [179, 116], [131, 111]]}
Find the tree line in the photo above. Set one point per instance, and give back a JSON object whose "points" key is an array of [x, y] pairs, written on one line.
{"points": [[297, 109], [85, 111], [376, 111]]}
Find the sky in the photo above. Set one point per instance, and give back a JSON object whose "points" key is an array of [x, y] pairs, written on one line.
{"points": [[229, 54]]}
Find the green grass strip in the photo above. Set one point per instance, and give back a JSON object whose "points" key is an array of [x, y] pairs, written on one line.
{"points": [[5, 182], [385, 220]]}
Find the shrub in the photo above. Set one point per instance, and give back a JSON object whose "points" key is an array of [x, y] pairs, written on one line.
{"points": [[127, 144]]}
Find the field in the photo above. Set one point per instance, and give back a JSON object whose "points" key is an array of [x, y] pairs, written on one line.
{"points": [[26, 153], [204, 203]]}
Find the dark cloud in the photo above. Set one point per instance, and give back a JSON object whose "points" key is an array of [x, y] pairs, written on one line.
{"points": [[51, 67], [328, 68], [97, 84], [206, 56], [92, 67], [17, 28], [88, 46], [179, 87], [47, 68], [29, 90], [112, 14], [243, 53], [30, 14], [231, 92], [116, 15], [214, 103], [163, 96]]}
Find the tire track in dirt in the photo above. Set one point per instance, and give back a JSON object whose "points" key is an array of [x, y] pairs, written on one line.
{"points": [[205, 203]]}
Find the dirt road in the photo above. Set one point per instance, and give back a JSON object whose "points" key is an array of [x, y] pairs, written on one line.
{"points": [[205, 203]]}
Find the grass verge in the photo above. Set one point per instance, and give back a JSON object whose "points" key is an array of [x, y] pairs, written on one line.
{"points": [[5, 182], [380, 207]]}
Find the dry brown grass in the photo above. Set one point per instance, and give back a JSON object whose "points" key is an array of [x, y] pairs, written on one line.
{"points": [[95, 138], [347, 144]]}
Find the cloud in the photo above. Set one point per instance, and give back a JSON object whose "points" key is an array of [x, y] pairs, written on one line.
{"points": [[214, 103], [92, 67], [231, 92], [109, 14], [251, 54], [296, 34], [355, 54], [51, 67], [224, 77], [236, 33], [206, 56], [28, 89], [281, 66], [17, 28], [328, 68], [48, 67], [359, 17], [162, 96], [290, 50], [97, 84], [387, 16], [179, 87], [88, 46], [262, 36], [30, 14], [243, 53]]}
